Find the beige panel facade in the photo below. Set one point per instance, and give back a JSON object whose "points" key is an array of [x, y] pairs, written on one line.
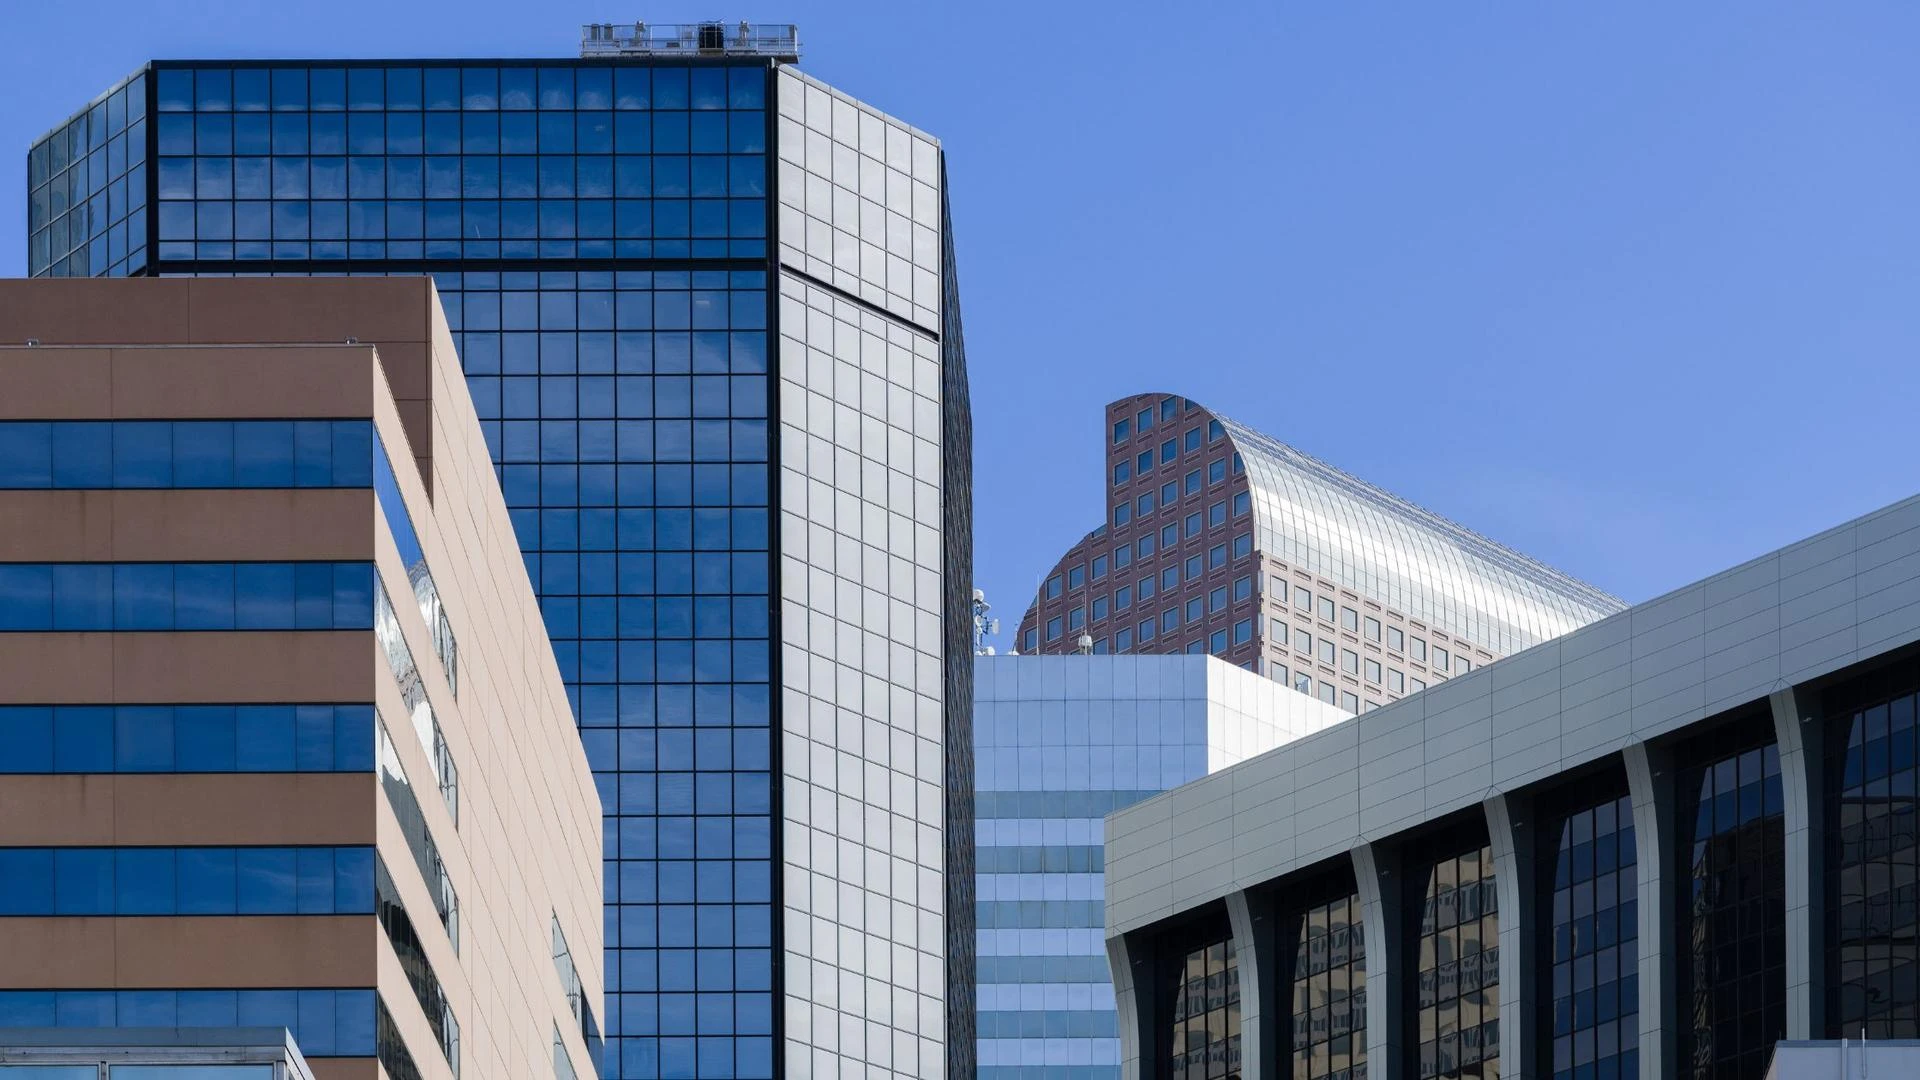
{"points": [[515, 838]]}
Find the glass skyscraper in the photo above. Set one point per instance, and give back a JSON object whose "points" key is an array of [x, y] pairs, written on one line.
{"points": [[709, 319]]}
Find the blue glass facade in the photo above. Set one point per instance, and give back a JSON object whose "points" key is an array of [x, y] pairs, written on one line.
{"points": [[607, 245]]}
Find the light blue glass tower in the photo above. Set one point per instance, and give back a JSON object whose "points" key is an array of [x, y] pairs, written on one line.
{"points": [[709, 319]]}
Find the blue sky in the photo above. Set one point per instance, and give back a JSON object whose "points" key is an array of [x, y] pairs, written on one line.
{"points": [[1631, 287]]}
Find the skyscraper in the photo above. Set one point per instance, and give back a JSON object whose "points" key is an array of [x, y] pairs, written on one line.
{"points": [[279, 742], [1221, 539], [708, 315]]}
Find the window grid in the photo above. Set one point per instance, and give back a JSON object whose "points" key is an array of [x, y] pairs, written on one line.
{"points": [[1595, 960], [1733, 916], [87, 190], [1872, 820], [1330, 993], [1459, 969], [1205, 1043]]}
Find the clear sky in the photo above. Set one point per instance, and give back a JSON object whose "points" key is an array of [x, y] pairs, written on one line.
{"points": [[1631, 287]]}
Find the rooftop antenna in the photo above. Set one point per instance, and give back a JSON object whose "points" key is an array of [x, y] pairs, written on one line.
{"points": [[983, 626], [1084, 644]]}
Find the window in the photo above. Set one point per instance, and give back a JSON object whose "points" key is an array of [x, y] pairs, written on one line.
{"points": [[1192, 439], [1144, 420], [1217, 642], [1144, 504], [1349, 619], [1099, 567], [325, 1023], [1242, 588], [106, 881], [1196, 609], [1459, 967], [1238, 465], [1278, 672], [1328, 693], [1326, 609], [1419, 650], [1167, 406], [1145, 545], [1169, 578], [1170, 619], [1868, 778], [1242, 503], [187, 596], [1396, 680], [1372, 628], [1143, 463], [1123, 598], [1121, 430], [1732, 850], [1243, 631], [1462, 665], [1217, 600], [1396, 640], [1277, 588], [1169, 536], [1122, 640], [1193, 525], [1123, 556], [69, 454], [1194, 569], [1302, 641], [1303, 682], [1217, 514], [1326, 969], [1349, 701], [1372, 674], [1145, 587], [1053, 587], [1215, 431], [1053, 628], [1349, 661], [1440, 659], [1196, 647], [1099, 646], [1099, 608], [1191, 485], [1167, 451], [1169, 493], [1369, 705], [1277, 631], [1216, 471], [1122, 471], [1122, 513], [1146, 629], [1076, 618], [1416, 684], [1030, 641], [1302, 598], [1243, 545], [57, 739], [1076, 576], [1594, 858], [1216, 556], [1328, 651]]}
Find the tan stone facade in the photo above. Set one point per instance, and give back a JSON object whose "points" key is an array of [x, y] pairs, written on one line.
{"points": [[518, 846]]}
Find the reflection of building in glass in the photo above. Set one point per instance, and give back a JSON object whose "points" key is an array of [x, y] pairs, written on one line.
{"points": [[275, 813], [708, 316], [1220, 539], [1657, 845]]}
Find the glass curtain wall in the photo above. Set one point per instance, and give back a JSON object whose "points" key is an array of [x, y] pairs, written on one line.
{"points": [[1873, 911], [1732, 909], [1458, 980]]}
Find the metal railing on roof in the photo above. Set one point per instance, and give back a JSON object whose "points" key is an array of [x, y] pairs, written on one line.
{"points": [[779, 41]]}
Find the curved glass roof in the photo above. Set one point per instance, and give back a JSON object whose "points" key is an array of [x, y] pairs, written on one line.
{"points": [[1315, 517]]}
